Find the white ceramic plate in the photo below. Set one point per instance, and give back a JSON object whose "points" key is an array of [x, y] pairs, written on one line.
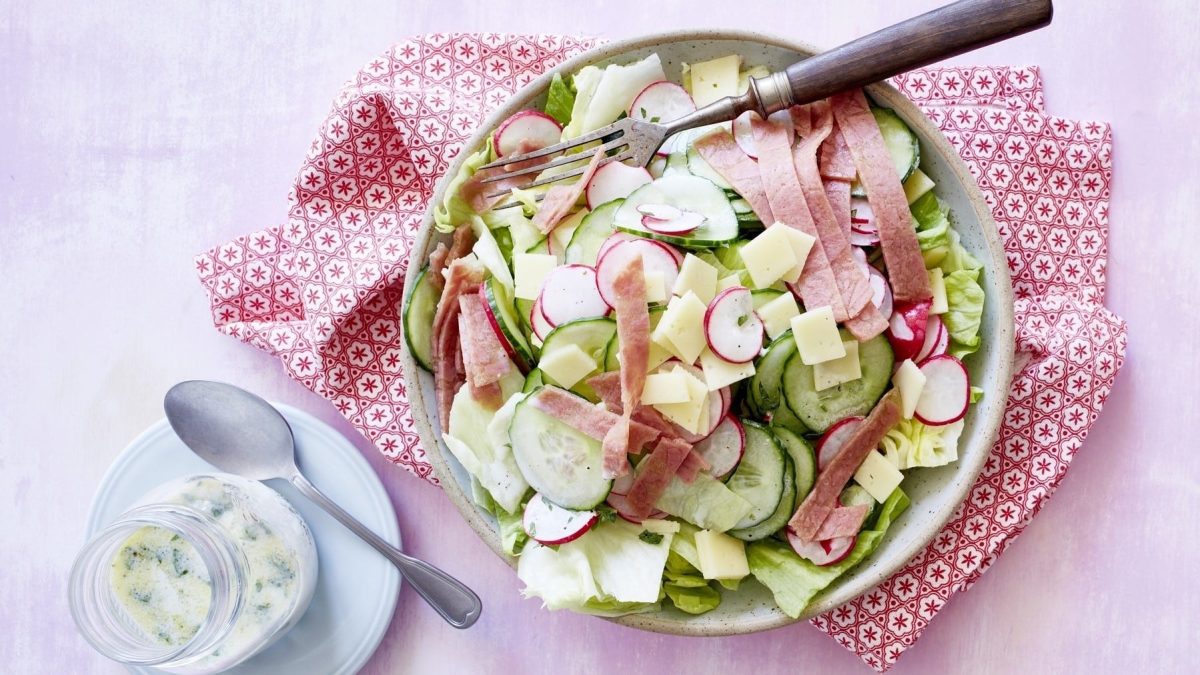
{"points": [[356, 588]]}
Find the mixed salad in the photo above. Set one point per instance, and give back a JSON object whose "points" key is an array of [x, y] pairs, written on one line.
{"points": [[666, 380]]}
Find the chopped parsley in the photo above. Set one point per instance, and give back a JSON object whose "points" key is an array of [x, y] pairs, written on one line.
{"points": [[651, 537]]}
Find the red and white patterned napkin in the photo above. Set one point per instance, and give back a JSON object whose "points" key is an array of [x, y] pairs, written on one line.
{"points": [[322, 291]]}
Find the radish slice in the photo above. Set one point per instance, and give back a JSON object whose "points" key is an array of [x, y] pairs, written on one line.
{"points": [[726, 401], [659, 211], [656, 257], [487, 310], [661, 102], [881, 291], [834, 438], [946, 393], [822, 553], [734, 332], [550, 524], [624, 509], [614, 181], [906, 328], [937, 339], [860, 256], [744, 134], [618, 237], [537, 320], [621, 484], [535, 129], [686, 222], [862, 216], [569, 293], [724, 447]]}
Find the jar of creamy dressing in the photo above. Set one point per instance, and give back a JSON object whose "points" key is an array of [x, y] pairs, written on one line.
{"points": [[202, 574]]}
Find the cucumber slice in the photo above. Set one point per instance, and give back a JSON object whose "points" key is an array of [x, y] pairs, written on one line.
{"points": [[590, 235], [783, 512], [819, 409], [783, 417], [533, 380], [677, 164], [759, 477], [766, 385], [762, 296], [689, 193], [500, 301], [419, 308], [901, 142], [560, 462], [856, 494], [804, 460], [698, 167], [590, 335]]}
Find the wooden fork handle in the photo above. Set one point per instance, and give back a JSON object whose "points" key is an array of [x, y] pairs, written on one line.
{"points": [[919, 41]]}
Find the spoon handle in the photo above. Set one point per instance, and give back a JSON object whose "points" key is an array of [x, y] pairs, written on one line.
{"points": [[457, 604]]}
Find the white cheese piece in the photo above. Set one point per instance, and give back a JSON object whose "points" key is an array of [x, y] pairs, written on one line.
{"points": [[567, 365], [669, 387], [937, 284], [728, 282], [696, 276], [720, 373], [878, 476], [910, 382], [714, 80], [777, 314], [721, 556], [801, 246], [769, 256], [838, 371], [690, 413], [917, 185], [561, 234], [656, 286], [817, 337], [532, 269], [681, 329]]}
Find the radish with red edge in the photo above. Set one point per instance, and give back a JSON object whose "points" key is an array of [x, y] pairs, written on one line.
{"points": [[548, 523], [495, 324], [614, 181], [947, 391], [724, 447], [906, 328], [822, 553], [743, 133], [569, 293], [864, 231], [881, 291], [656, 257], [537, 320], [621, 505], [659, 211], [734, 332], [860, 256], [726, 401], [937, 339], [684, 223], [614, 239], [531, 128], [834, 438], [661, 102]]}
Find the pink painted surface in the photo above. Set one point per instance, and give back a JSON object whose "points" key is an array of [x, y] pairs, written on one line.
{"points": [[135, 138]]}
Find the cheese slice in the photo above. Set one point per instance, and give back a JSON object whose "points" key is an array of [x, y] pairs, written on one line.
{"points": [[567, 365], [910, 382], [937, 284], [777, 314], [917, 185], [838, 371], [728, 282], [669, 387], [721, 373], [532, 269], [656, 286], [769, 256], [696, 276], [721, 556], [714, 80], [691, 412], [817, 337], [681, 329], [878, 476], [801, 246]]}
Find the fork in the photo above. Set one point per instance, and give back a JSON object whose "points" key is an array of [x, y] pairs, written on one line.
{"points": [[919, 41]]}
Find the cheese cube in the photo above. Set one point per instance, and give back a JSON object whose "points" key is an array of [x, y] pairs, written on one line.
{"points": [[937, 284], [714, 80], [696, 276], [656, 286], [670, 387], [567, 365], [878, 476], [817, 337], [681, 329], [802, 244], [769, 256], [728, 282], [838, 371], [690, 413], [720, 373], [532, 269], [721, 556], [777, 314], [910, 382], [917, 185]]}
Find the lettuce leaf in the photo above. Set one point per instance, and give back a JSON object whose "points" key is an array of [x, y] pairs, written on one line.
{"points": [[584, 82], [454, 210], [705, 502], [942, 248], [560, 99], [512, 532], [911, 443], [964, 298], [683, 583], [480, 443], [693, 599], [795, 581], [933, 228]]}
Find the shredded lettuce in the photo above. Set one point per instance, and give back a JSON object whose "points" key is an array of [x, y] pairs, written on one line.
{"points": [[683, 583], [933, 228], [512, 532], [584, 82], [941, 248], [910, 444], [560, 99], [705, 502], [693, 599], [795, 581], [454, 210], [478, 438], [489, 252], [603, 95], [964, 299]]}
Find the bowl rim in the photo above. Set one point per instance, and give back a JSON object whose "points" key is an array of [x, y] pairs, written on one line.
{"points": [[987, 424]]}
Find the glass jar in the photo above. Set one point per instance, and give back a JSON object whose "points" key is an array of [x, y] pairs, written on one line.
{"points": [[200, 575]]}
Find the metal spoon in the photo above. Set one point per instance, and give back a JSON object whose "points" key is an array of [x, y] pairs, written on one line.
{"points": [[241, 433]]}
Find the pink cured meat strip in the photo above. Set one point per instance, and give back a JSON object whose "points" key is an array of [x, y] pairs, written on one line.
{"points": [[823, 498], [487, 393], [845, 521], [818, 286], [608, 387], [898, 238], [654, 474], [560, 199], [836, 161], [867, 324], [837, 193], [462, 277], [483, 356], [587, 418], [727, 158], [633, 335], [474, 191], [691, 467]]}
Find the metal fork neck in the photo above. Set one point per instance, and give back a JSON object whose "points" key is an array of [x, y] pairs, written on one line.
{"points": [[765, 96]]}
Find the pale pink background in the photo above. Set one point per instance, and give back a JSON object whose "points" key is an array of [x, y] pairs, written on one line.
{"points": [[133, 135]]}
